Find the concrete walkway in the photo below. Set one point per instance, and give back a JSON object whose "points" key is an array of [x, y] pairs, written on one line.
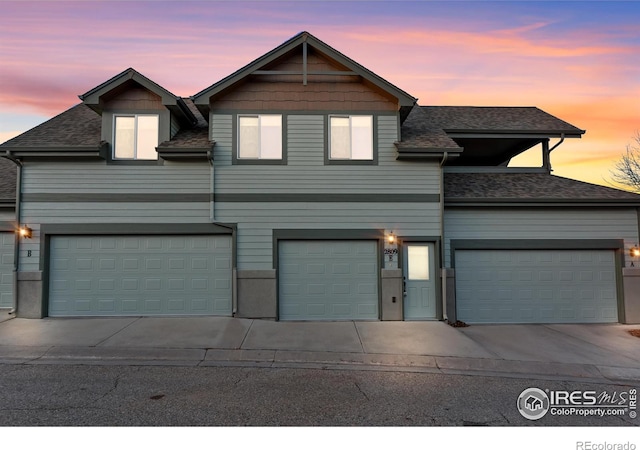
{"points": [[599, 353]]}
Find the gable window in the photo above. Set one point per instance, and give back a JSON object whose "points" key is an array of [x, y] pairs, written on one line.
{"points": [[135, 137], [260, 137], [351, 138]]}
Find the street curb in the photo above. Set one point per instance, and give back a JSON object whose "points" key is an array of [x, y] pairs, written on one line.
{"points": [[97, 356]]}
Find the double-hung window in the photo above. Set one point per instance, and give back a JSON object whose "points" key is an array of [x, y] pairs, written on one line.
{"points": [[135, 137], [260, 137], [351, 138]]}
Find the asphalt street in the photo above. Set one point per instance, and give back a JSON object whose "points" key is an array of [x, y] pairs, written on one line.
{"points": [[84, 395]]}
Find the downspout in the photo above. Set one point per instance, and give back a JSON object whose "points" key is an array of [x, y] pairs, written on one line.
{"points": [[211, 184], [16, 245], [443, 270], [547, 156], [212, 217]]}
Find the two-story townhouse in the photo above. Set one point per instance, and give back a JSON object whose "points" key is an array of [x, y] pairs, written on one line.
{"points": [[305, 187]]}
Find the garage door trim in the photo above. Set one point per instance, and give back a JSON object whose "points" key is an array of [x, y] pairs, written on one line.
{"points": [[551, 244], [326, 235]]}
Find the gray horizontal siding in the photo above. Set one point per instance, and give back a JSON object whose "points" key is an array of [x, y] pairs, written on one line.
{"points": [[256, 222], [7, 215], [98, 177], [306, 172], [43, 179], [478, 223], [36, 213]]}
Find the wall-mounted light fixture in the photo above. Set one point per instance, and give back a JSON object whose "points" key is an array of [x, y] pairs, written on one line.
{"points": [[634, 252], [25, 232], [391, 238]]}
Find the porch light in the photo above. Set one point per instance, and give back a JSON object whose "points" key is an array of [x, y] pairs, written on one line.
{"points": [[25, 232], [391, 238], [634, 252]]}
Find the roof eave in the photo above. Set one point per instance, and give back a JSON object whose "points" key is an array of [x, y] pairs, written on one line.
{"points": [[511, 134], [405, 154], [522, 202], [90, 151]]}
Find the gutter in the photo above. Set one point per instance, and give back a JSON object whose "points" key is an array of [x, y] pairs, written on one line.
{"points": [[16, 245]]}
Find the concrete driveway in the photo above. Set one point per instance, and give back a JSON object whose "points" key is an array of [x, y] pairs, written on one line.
{"points": [[588, 351]]}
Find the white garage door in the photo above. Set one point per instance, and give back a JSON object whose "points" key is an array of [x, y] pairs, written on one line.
{"points": [[7, 241], [536, 286], [140, 275], [328, 280]]}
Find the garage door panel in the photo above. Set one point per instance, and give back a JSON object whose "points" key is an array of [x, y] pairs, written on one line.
{"points": [[140, 275], [537, 286], [328, 280]]}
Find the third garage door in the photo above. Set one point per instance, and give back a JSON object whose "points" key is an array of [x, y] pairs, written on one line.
{"points": [[536, 286], [328, 280]]}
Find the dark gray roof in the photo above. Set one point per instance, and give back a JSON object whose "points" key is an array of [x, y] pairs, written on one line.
{"points": [[77, 127], [8, 173], [195, 137], [505, 119], [80, 127], [418, 132], [527, 187]]}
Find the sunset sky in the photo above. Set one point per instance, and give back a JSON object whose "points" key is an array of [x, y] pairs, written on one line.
{"points": [[577, 60]]}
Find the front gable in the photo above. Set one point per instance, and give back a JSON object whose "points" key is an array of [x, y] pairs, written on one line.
{"points": [[303, 74], [132, 95]]}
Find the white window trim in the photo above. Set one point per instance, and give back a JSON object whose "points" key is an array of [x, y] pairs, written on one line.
{"points": [[350, 116], [259, 158], [135, 136]]}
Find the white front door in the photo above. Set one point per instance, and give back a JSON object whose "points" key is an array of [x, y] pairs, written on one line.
{"points": [[419, 282]]}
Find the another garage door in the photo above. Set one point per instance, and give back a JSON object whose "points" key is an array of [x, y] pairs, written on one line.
{"points": [[328, 280], [536, 286], [6, 269], [140, 275]]}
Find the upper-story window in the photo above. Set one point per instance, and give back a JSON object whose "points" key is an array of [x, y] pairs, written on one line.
{"points": [[135, 136], [351, 138], [260, 136]]}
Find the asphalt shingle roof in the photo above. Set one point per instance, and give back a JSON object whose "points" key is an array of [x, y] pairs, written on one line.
{"points": [[196, 137], [8, 173], [496, 118], [77, 127], [514, 187], [419, 132]]}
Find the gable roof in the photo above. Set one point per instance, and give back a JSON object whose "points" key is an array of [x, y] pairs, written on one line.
{"points": [[92, 98], [201, 99], [500, 188]]}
